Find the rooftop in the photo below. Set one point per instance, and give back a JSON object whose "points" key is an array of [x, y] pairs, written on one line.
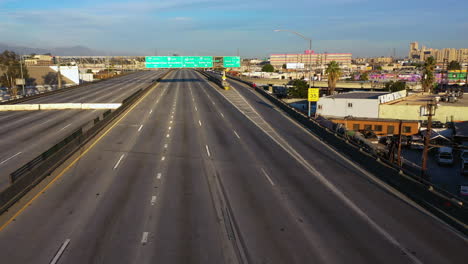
{"points": [[423, 99], [358, 95]]}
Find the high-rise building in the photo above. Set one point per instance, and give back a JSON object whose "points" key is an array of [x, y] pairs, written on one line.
{"points": [[441, 55]]}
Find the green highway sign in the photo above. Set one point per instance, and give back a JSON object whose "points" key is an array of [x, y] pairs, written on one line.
{"points": [[231, 62], [178, 62], [191, 62]]}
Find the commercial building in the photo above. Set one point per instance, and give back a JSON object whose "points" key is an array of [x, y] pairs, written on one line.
{"points": [[311, 59], [441, 55], [409, 108], [355, 104], [396, 105], [379, 126]]}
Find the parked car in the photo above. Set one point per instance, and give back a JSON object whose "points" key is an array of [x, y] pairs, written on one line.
{"points": [[445, 156]]}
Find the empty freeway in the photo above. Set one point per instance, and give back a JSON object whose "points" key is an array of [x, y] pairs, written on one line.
{"points": [[26, 134], [195, 174]]}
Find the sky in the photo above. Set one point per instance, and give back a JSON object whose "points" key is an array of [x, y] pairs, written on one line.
{"points": [[213, 27]]}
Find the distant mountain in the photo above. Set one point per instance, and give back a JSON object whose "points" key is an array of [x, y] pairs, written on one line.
{"points": [[76, 51], [60, 51], [22, 50]]}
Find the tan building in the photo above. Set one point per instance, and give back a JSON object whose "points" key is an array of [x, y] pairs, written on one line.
{"points": [[449, 54], [409, 108], [316, 60], [381, 60]]}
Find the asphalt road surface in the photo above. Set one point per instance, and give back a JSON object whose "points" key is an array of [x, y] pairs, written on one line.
{"points": [[26, 134], [185, 177]]}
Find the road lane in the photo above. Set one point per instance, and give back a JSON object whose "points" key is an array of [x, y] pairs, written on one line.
{"points": [[34, 132]]}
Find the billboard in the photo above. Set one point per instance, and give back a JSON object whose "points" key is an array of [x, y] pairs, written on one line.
{"points": [[456, 77], [294, 65]]}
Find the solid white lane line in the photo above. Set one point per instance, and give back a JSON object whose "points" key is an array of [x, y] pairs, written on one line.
{"points": [[159, 176], [237, 135], [163, 158], [199, 122], [118, 162], [139, 129], [60, 252], [153, 200], [10, 158], [268, 177], [208, 151], [65, 127], [144, 238], [221, 114]]}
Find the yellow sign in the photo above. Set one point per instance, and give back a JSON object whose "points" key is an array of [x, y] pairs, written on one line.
{"points": [[313, 95]]}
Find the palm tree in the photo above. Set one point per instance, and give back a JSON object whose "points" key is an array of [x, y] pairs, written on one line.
{"points": [[334, 72], [428, 74]]}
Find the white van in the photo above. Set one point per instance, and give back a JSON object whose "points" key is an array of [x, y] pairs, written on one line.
{"points": [[445, 156]]}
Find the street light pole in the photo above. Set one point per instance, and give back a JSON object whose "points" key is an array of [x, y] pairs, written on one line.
{"points": [[310, 55]]}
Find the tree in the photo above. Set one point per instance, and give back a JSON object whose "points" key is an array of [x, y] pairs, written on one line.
{"points": [[428, 74], [299, 89], [11, 70], [284, 66], [334, 72], [392, 86], [364, 77], [268, 68], [454, 65], [378, 68], [89, 71]]}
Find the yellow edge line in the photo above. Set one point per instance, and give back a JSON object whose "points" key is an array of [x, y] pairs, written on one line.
{"points": [[74, 162]]}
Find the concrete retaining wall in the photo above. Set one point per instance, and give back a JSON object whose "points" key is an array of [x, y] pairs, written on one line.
{"points": [[66, 106]]}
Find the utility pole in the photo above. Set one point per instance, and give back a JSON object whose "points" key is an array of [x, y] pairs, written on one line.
{"points": [[429, 111], [400, 126], [59, 75], [22, 77]]}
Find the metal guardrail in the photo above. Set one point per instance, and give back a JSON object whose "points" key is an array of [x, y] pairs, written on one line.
{"points": [[29, 175], [450, 208]]}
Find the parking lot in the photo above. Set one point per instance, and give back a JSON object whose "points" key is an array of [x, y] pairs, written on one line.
{"points": [[446, 177]]}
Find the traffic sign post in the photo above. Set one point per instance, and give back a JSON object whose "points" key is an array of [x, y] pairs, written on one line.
{"points": [[312, 96]]}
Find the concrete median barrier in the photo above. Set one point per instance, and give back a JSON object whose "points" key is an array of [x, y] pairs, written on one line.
{"points": [[100, 106], [59, 106], [20, 107]]}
